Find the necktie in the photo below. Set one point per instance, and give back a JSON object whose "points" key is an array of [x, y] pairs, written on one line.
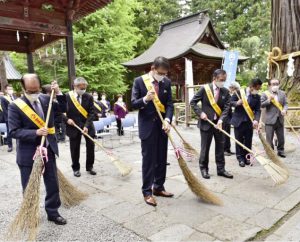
{"points": [[78, 99], [217, 94], [12, 97], [156, 87], [38, 109]]}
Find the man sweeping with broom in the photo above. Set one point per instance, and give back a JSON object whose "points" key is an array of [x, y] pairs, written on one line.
{"points": [[152, 133], [215, 100], [26, 119]]}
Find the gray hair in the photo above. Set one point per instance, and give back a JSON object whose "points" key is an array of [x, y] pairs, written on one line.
{"points": [[235, 85], [80, 80]]}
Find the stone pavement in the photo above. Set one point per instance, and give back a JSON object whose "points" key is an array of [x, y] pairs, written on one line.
{"points": [[115, 210]]}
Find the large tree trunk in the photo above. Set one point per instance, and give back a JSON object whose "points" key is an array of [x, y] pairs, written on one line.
{"points": [[286, 36], [3, 80]]}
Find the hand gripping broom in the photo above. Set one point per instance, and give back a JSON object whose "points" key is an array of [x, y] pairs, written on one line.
{"points": [[278, 174], [123, 168], [194, 184]]}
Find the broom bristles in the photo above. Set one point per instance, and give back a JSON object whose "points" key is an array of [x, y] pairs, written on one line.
{"points": [[271, 154], [190, 148], [278, 174], [69, 194], [123, 168], [196, 186], [26, 223]]}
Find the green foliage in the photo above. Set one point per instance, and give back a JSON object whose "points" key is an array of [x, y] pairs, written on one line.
{"points": [[150, 16]]}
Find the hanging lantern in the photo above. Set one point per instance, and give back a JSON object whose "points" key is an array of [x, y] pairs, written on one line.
{"points": [[18, 36], [53, 51], [46, 52], [43, 37]]}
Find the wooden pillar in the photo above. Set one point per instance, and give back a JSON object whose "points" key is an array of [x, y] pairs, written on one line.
{"points": [[187, 106], [70, 54], [30, 66]]}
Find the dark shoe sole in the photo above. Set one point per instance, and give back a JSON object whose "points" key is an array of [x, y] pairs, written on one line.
{"points": [[231, 177]]}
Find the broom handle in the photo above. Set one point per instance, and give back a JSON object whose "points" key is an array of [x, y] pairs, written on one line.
{"points": [[177, 132], [93, 140], [48, 116], [231, 137], [162, 120]]}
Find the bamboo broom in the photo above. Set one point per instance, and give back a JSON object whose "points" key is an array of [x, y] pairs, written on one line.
{"points": [[278, 174], [188, 147], [194, 184], [27, 220], [269, 151], [123, 168]]}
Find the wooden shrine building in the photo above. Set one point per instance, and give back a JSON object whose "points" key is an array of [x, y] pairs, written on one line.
{"points": [[27, 25], [191, 37]]}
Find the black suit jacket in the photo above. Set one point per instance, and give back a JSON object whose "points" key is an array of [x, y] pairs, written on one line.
{"points": [[223, 103], [24, 130], [4, 104], [240, 114], [87, 102], [147, 112]]}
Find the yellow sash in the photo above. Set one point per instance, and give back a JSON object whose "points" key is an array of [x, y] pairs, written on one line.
{"points": [[275, 102], [32, 115], [104, 103], [149, 86], [246, 105], [78, 105], [97, 106], [8, 98], [122, 107], [212, 100]]}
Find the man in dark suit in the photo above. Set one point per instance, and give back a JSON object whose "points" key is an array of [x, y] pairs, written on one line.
{"points": [[28, 134], [154, 141], [243, 121], [221, 97], [5, 101], [80, 111], [275, 116], [105, 105]]}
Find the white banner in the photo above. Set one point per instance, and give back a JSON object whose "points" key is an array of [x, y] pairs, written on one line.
{"points": [[189, 79]]}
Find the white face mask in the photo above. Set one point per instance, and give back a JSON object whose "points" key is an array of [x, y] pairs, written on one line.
{"points": [[254, 92], [32, 97], [10, 92], [219, 84], [103, 98], [95, 98], [120, 99], [275, 88], [158, 77], [80, 92]]}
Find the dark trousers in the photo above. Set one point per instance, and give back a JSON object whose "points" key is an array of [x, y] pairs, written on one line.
{"points": [[206, 138], [60, 131], [75, 152], [277, 128], [227, 143], [52, 200], [9, 138], [154, 167], [120, 128], [244, 134]]}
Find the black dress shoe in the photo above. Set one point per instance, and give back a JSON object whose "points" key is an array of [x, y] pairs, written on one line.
{"points": [[77, 173], [225, 174], [247, 162], [281, 154], [92, 172], [242, 163], [205, 174], [10, 149], [227, 153], [58, 220]]}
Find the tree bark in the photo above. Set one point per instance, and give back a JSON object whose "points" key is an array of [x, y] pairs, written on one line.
{"points": [[286, 35], [3, 80]]}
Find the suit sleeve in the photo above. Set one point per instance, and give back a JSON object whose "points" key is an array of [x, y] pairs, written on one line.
{"points": [[264, 101], [196, 99], [15, 126], [62, 103], [233, 100], [137, 101], [170, 106], [91, 113], [257, 110], [227, 107], [285, 104], [5, 104]]}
